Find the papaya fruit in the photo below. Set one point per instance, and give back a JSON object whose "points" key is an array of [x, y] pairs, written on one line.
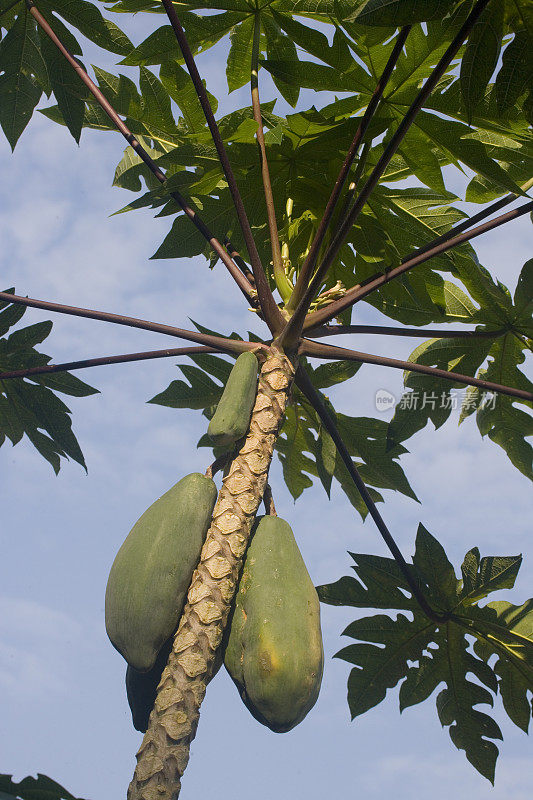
{"points": [[232, 416], [151, 573], [274, 651], [141, 688]]}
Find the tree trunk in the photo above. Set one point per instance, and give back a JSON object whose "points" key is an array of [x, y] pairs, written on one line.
{"points": [[164, 752]]}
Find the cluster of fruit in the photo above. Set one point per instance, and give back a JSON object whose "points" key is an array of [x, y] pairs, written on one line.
{"points": [[273, 643]]}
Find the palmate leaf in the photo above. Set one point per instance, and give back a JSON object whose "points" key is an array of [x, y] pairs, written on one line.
{"points": [[31, 64], [23, 76], [40, 788], [68, 88], [420, 654], [307, 451], [498, 416], [432, 398], [481, 55], [29, 406], [507, 633], [514, 77], [200, 392], [399, 12], [87, 18], [504, 422]]}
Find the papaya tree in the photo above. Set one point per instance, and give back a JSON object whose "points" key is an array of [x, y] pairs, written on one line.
{"points": [[311, 206]]}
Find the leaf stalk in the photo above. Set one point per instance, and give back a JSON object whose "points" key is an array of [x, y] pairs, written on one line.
{"points": [[218, 342], [269, 307], [296, 323], [319, 350], [362, 290], [305, 385], [310, 262], [102, 101], [283, 285], [104, 360]]}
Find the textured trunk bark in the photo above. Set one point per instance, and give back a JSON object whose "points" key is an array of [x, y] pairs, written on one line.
{"points": [[164, 752]]}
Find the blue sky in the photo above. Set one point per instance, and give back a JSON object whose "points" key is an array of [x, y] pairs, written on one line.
{"points": [[63, 703]]}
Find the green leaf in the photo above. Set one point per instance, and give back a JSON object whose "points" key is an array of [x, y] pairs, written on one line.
{"points": [[280, 47], [202, 32], [156, 103], [200, 392], [421, 654], [40, 788], [431, 398], [499, 417], [179, 86], [88, 20], [309, 75], [523, 297], [400, 12], [470, 729], [350, 490], [380, 668], [325, 458], [481, 55], [238, 68], [29, 406], [308, 38], [506, 630], [380, 584], [432, 564], [422, 160], [516, 74], [290, 446], [366, 438], [10, 314], [334, 372], [69, 90], [23, 74], [157, 48], [449, 136], [121, 92], [217, 367], [488, 574]]}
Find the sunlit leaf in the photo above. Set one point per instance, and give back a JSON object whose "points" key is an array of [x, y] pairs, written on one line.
{"points": [[420, 653]]}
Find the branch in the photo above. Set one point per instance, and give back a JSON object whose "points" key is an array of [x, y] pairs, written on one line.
{"points": [[318, 350], [296, 323], [269, 307], [352, 186], [104, 360], [239, 260], [268, 500], [304, 384], [385, 330], [310, 262], [361, 290], [469, 221], [218, 464], [234, 271], [283, 284], [217, 342]]}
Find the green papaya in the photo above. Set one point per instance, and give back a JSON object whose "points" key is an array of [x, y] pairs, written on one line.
{"points": [[151, 573], [232, 416], [141, 688], [274, 648]]}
